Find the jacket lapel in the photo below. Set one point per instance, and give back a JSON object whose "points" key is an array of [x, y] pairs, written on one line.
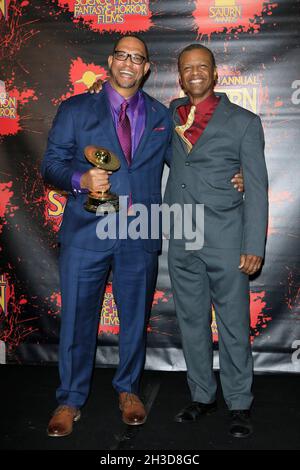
{"points": [[177, 140], [217, 121], [151, 113]]}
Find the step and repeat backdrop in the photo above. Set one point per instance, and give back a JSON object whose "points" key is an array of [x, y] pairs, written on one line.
{"points": [[53, 49]]}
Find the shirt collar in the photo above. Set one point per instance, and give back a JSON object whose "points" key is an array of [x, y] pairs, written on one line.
{"points": [[115, 99], [206, 105]]}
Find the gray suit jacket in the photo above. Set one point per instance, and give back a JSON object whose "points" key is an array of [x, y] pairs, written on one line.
{"points": [[232, 139]]}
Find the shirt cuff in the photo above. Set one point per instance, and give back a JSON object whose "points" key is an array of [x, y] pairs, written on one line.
{"points": [[75, 181]]}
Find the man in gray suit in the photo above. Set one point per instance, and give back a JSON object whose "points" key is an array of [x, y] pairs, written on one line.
{"points": [[213, 138]]}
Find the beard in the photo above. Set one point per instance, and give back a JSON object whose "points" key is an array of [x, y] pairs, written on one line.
{"points": [[127, 86]]}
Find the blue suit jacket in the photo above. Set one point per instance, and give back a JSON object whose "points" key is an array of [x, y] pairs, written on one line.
{"points": [[86, 120]]}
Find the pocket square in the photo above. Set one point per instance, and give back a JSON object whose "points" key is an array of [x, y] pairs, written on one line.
{"points": [[159, 129]]}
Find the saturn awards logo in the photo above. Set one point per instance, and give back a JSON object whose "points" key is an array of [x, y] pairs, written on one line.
{"points": [[110, 11], [225, 11], [111, 15], [8, 104], [231, 16], [242, 88]]}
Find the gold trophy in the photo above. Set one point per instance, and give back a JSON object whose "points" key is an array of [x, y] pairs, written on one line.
{"points": [[102, 201]]}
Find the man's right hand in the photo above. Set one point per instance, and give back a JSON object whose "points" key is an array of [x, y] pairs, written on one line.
{"points": [[95, 180], [96, 87]]}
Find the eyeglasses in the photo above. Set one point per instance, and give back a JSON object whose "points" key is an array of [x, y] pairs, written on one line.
{"points": [[135, 58]]}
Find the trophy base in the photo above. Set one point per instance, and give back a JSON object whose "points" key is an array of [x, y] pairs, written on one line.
{"points": [[104, 205]]}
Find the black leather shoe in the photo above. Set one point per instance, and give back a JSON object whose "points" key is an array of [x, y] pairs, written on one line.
{"points": [[240, 423], [194, 411]]}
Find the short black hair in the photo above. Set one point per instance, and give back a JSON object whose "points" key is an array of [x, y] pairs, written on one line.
{"points": [[191, 47], [136, 37]]}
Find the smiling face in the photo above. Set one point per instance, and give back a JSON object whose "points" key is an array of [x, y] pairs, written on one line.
{"points": [[126, 76], [197, 74]]}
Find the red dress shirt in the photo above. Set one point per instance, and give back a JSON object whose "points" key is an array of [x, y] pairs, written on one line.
{"points": [[203, 114]]}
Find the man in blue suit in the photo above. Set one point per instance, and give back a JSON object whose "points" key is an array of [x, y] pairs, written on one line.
{"points": [[85, 260]]}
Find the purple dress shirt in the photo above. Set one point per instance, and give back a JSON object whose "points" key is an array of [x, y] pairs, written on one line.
{"points": [[136, 113]]}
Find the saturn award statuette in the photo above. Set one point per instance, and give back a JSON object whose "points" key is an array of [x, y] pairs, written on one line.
{"points": [[102, 201]]}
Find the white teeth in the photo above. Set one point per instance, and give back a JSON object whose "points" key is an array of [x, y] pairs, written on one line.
{"points": [[197, 81], [125, 72]]}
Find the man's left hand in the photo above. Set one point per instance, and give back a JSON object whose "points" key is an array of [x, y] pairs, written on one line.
{"points": [[238, 182], [250, 264]]}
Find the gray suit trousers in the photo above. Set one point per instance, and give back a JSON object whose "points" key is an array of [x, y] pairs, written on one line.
{"points": [[199, 279]]}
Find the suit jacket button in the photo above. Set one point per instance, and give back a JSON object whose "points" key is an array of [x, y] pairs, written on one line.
{"points": [[183, 186], [187, 163]]}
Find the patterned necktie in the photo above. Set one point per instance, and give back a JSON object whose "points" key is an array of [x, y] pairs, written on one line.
{"points": [[181, 129], [124, 132]]}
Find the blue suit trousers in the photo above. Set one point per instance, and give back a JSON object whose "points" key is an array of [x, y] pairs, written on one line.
{"points": [[83, 276]]}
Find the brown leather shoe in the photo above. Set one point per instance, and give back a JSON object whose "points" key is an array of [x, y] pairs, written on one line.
{"points": [[133, 410], [61, 423]]}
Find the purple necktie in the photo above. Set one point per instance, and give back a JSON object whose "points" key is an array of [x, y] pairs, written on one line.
{"points": [[124, 132]]}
